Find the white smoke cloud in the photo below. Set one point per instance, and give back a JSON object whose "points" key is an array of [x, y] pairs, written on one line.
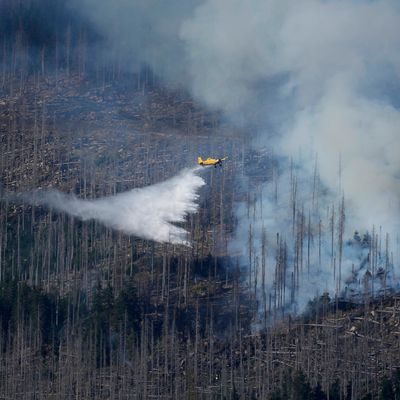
{"points": [[323, 74], [333, 68], [233, 45], [335, 57], [364, 134], [140, 32], [147, 212], [308, 257]]}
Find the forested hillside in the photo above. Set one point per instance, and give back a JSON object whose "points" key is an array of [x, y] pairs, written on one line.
{"points": [[87, 311]]}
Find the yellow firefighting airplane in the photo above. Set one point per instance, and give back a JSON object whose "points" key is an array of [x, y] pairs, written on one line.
{"points": [[211, 161]]}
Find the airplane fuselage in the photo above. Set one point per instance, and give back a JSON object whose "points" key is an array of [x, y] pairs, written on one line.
{"points": [[210, 161]]}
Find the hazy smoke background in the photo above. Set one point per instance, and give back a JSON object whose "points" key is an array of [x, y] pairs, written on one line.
{"points": [[319, 82], [321, 75], [341, 64], [336, 67], [148, 212]]}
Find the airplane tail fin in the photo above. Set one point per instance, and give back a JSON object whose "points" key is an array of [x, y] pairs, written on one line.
{"points": [[199, 160]]}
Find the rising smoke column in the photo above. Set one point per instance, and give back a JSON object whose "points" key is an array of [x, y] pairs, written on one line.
{"points": [[325, 75], [338, 65], [148, 212], [317, 76], [320, 79]]}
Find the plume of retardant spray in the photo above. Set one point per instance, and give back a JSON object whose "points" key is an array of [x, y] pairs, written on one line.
{"points": [[147, 212]]}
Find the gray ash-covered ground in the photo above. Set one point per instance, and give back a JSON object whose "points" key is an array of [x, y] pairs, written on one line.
{"points": [[92, 313]]}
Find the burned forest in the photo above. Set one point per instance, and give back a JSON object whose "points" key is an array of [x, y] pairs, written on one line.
{"points": [[128, 271]]}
